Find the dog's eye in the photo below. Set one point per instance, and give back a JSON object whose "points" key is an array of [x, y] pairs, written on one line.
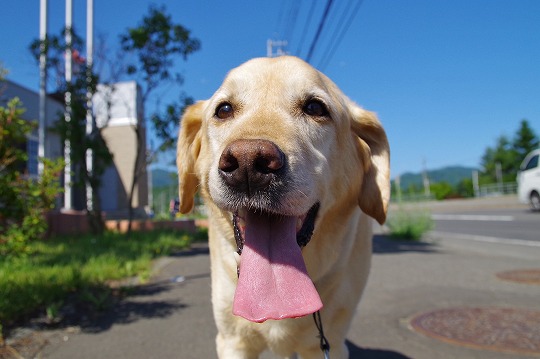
{"points": [[315, 108], [224, 111]]}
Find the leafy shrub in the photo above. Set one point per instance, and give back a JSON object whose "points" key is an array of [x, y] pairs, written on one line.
{"points": [[23, 200], [409, 224]]}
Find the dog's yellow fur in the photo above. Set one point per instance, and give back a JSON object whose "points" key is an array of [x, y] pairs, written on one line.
{"points": [[341, 162]]}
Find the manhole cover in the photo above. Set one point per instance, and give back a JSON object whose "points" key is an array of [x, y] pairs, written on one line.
{"points": [[498, 329], [529, 276]]}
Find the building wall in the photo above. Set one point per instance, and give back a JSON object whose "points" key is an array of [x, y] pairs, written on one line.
{"points": [[30, 102], [122, 142], [117, 111]]}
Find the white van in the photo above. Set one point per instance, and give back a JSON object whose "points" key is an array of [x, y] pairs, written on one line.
{"points": [[528, 180]]}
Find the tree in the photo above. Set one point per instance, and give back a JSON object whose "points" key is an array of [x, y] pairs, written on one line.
{"points": [[508, 154], [525, 140], [155, 44], [501, 155], [84, 80], [441, 190], [465, 188]]}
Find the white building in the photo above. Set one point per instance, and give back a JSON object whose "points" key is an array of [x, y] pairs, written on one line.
{"points": [[117, 112]]}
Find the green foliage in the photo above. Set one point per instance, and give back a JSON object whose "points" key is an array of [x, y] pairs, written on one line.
{"points": [[442, 190], [23, 200], [465, 188], [508, 154], [3, 71], [457, 177], [55, 47], [409, 224], [525, 140], [156, 43], [79, 266], [13, 132]]}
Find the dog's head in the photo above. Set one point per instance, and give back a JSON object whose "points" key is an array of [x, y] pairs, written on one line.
{"points": [[278, 139]]}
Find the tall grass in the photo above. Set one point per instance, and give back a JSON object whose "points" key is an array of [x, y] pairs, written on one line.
{"points": [[409, 224], [58, 267]]}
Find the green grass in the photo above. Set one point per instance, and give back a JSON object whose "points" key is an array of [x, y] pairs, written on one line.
{"points": [[409, 224], [59, 267]]}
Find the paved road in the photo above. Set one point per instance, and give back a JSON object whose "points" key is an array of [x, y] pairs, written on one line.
{"points": [[509, 224], [171, 316], [488, 219]]}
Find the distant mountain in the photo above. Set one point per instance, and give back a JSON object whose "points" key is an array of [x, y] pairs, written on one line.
{"points": [[163, 178], [452, 175]]}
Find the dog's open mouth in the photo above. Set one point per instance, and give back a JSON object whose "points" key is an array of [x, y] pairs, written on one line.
{"points": [[273, 282]]}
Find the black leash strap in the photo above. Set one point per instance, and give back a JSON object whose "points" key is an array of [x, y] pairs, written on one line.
{"points": [[324, 345]]}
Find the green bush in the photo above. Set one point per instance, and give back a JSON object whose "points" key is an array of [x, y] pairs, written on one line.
{"points": [[409, 224], [23, 200]]}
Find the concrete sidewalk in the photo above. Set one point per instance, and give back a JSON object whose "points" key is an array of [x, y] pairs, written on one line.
{"points": [[171, 317]]}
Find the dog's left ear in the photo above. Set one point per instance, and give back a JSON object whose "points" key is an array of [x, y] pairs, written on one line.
{"points": [[374, 152], [188, 150]]}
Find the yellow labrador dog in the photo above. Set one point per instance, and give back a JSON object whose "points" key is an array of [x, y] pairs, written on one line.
{"points": [[290, 169]]}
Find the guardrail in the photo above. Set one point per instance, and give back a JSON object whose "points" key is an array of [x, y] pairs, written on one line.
{"points": [[497, 189], [489, 190]]}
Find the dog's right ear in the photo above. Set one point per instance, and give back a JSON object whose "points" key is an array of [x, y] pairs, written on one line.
{"points": [[188, 150]]}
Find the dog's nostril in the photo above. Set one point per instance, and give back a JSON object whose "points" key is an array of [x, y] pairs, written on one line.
{"points": [[269, 161], [227, 162]]}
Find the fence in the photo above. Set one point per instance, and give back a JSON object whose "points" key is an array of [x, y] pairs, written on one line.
{"points": [[488, 190], [497, 189]]}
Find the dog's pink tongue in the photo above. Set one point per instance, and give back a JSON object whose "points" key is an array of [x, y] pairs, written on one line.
{"points": [[273, 281]]}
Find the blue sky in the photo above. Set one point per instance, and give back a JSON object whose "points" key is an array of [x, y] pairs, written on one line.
{"points": [[445, 77]]}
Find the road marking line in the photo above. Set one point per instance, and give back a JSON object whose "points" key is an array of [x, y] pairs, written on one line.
{"points": [[521, 242], [471, 217]]}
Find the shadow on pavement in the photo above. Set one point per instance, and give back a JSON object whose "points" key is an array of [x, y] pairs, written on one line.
{"points": [[141, 302], [385, 245], [196, 249], [355, 352], [129, 311]]}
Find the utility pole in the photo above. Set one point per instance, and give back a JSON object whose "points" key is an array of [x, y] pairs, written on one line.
{"points": [[425, 179], [476, 187], [89, 115], [42, 121], [498, 174], [397, 183], [67, 98], [279, 45]]}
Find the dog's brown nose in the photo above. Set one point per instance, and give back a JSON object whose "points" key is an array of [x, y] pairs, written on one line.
{"points": [[250, 165]]}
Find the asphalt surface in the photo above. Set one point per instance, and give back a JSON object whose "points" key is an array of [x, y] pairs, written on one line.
{"points": [[171, 316]]}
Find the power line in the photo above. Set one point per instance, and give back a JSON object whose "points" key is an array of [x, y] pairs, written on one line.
{"points": [[291, 20], [319, 30], [336, 43], [306, 26], [339, 26]]}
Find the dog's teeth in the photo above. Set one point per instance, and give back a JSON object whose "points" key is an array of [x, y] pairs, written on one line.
{"points": [[237, 258], [241, 221]]}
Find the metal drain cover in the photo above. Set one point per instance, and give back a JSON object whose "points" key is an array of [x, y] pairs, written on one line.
{"points": [[498, 329], [528, 276]]}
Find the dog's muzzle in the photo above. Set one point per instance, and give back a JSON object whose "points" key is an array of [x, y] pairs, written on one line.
{"points": [[251, 166]]}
